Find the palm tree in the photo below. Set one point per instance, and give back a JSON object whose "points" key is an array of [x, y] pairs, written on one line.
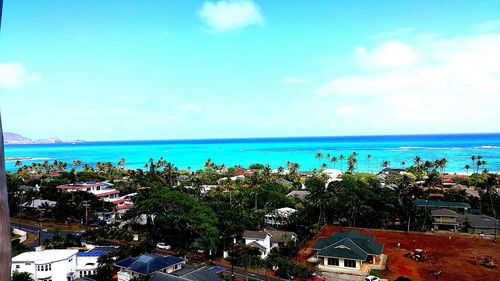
{"points": [[334, 161], [319, 156], [473, 158], [121, 163], [341, 158], [417, 160], [18, 163], [386, 164], [368, 158], [403, 164], [467, 167]]}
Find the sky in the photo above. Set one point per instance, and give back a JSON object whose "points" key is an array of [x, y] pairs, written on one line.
{"points": [[120, 70]]}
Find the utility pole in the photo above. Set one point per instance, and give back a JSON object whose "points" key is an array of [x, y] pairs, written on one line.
{"points": [[437, 275], [86, 205], [5, 239]]}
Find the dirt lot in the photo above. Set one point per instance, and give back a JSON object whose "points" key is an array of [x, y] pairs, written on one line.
{"points": [[453, 254]]}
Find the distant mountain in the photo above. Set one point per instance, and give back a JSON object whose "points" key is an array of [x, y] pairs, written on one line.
{"points": [[13, 138]]}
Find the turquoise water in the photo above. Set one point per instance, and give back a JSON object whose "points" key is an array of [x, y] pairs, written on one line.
{"points": [[276, 151]]}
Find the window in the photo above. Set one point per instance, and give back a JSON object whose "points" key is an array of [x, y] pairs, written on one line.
{"points": [[333, 261], [350, 263], [18, 266]]}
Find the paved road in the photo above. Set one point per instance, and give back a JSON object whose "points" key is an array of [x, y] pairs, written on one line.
{"points": [[241, 274], [44, 233]]}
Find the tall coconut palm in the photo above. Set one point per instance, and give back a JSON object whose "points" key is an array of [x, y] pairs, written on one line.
{"points": [[121, 163], [385, 164], [319, 156], [341, 158], [473, 159], [467, 167], [334, 161], [403, 164], [417, 160], [368, 158]]}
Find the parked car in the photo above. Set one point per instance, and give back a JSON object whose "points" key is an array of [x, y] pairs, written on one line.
{"points": [[162, 246], [372, 278]]}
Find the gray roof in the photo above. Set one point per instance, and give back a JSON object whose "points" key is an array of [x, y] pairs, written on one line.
{"points": [[257, 245], [480, 221], [37, 203], [300, 194], [187, 274], [443, 213], [281, 236], [254, 234]]}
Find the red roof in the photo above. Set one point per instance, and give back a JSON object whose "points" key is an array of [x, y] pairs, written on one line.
{"points": [[106, 193]]}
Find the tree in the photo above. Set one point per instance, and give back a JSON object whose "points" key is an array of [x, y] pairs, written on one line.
{"points": [[319, 156], [386, 164], [334, 161], [21, 276], [319, 196], [341, 158], [467, 167], [368, 158]]}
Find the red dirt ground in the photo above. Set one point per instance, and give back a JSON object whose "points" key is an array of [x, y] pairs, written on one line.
{"points": [[451, 253]]}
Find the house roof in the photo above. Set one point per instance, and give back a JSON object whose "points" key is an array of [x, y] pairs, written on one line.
{"points": [[187, 274], [350, 245], [300, 194], [480, 221], [254, 234], [37, 203], [257, 245], [281, 236], [443, 213], [440, 204], [45, 256], [97, 252], [148, 263]]}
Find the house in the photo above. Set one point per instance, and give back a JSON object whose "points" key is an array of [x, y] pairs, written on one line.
{"points": [[102, 190], [347, 251], [279, 216], [260, 240], [86, 262], [479, 224], [444, 219], [55, 265], [268, 239], [278, 237], [333, 175], [187, 273], [442, 204], [300, 194], [146, 265], [38, 204]]}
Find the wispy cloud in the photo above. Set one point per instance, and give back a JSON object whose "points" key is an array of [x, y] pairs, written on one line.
{"points": [[295, 80], [439, 81], [15, 75], [226, 15]]}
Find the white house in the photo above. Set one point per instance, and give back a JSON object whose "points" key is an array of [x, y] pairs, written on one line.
{"points": [[102, 190], [279, 216], [333, 175], [47, 265], [260, 240], [86, 262]]}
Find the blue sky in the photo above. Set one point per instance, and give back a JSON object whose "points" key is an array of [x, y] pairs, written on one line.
{"points": [[116, 70]]}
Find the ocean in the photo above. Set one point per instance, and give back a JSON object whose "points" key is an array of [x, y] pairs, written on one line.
{"points": [[456, 148]]}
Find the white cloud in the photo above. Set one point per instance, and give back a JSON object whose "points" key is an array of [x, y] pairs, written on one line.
{"points": [[389, 54], [486, 27], [190, 107], [14, 75], [294, 80], [444, 83], [228, 15]]}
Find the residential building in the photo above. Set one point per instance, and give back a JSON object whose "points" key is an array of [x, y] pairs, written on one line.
{"points": [[278, 237], [299, 194], [47, 265], [86, 262], [444, 219], [260, 240], [479, 224], [279, 216], [432, 204], [146, 265], [38, 204], [347, 251], [187, 273]]}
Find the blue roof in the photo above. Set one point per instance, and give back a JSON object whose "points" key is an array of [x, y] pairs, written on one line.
{"points": [[148, 263], [96, 252]]}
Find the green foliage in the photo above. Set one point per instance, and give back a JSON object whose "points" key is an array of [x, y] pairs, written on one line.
{"points": [[21, 276]]}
